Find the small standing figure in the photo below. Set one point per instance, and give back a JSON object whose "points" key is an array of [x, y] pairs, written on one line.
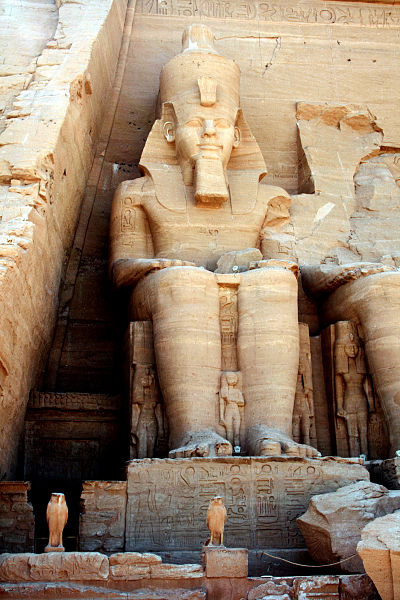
{"points": [[216, 518], [353, 387], [57, 515], [230, 402], [303, 410], [147, 418]]}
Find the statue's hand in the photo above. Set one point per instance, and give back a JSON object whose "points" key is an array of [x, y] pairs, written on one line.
{"points": [[127, 271], [163, 263], [341, 413]]}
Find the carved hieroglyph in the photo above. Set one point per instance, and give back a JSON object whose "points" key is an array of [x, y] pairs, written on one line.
{"points": [[168, 499], [201, 196], [57, 515]]}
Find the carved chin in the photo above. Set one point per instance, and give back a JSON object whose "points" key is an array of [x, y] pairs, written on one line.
{"points": [[210, 182]]}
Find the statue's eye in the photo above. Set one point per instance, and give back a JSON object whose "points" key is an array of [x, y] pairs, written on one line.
{"points": [[194, 123], [222, 123]]}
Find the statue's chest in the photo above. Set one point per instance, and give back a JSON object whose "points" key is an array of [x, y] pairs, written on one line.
{"points": [[199, 221]]}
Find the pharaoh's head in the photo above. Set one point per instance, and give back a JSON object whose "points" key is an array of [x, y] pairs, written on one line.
{"points": [[199, 92], [201, 121]]}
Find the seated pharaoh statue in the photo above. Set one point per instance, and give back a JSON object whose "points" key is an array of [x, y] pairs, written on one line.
{"points": [[202, 198]]}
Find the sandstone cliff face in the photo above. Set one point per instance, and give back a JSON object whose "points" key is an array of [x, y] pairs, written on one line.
{"points": [[46, 150]]}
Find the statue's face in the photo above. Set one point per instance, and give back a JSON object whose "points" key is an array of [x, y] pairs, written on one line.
{"points": [[204, 132], [351, 350]]}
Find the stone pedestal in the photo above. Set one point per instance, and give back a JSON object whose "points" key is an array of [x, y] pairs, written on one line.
{"points": [[225, 562], [167, 502]]}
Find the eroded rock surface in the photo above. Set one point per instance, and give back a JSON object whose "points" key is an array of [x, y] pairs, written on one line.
{"points": [[379, 549], [333, 523]]}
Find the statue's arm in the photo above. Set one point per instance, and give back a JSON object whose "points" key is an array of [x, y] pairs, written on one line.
{"points": [[131, 244], [369, 392], [276, 236], [339, 387], [130, 237]]}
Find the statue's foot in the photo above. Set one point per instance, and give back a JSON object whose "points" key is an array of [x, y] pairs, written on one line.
{"points": [[271, 442], [203, 443]]}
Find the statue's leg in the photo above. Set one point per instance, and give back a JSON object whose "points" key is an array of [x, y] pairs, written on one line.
{"points": [[305, 428], [268, 350], [374, 302], [363, 431], [353, 434], [183, 304]]}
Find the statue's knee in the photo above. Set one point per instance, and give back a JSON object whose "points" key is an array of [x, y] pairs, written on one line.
{"points": [[267, 277], [184, 284]]}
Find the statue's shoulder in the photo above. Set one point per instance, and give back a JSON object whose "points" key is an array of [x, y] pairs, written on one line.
{"points": [[268, 192], [134, 191]]}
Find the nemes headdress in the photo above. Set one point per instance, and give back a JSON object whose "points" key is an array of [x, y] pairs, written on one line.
{"points": [[201, 75], [187, 73]]}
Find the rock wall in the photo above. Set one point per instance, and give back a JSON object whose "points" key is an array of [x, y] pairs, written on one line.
{"points": [[46, 151], [17, 521]]}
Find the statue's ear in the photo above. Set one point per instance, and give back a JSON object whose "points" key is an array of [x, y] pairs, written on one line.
{"points": [[236, 139], [168, 118]]}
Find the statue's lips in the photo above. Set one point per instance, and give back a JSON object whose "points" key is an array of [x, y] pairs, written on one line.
{"points": [[214, 147]]}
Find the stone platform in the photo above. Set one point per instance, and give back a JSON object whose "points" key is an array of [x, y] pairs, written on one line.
{"points": [[164, 505]]}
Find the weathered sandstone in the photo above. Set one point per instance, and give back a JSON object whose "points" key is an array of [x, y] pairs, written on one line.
{"points": [[333, 522]]}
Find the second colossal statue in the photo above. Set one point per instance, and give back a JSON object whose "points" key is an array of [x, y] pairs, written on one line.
{"points": [[202, 196]]}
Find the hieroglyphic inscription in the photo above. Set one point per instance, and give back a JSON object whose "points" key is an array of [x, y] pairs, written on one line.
{"points": [[374, 15], [168, 499], [228, 317]]}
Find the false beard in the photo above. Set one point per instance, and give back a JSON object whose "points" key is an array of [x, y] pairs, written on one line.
{"points": [[210, 182]]}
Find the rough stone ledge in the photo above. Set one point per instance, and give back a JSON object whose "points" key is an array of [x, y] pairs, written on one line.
{"points": [[55, 591], [92, 566]]}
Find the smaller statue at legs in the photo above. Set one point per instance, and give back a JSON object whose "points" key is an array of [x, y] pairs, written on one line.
{"points": [[353, 389], [303, 410], [147, 420], [230, 401], [216, 518], [57, 515]]}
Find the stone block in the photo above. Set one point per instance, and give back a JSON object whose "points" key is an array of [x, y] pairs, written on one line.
{"points": [[132, 566], [225, 562], [102, 519], [270, 589], [333, 523], [259, 494], [134, 558], [17, 521], [354, 587], [379, 549], [323, 587], [54, 566], [167, 571]]}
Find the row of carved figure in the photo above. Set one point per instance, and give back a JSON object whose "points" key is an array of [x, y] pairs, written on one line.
{"points": [[357, 421]]}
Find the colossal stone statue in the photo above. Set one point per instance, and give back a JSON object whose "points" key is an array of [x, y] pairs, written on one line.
{"points": [[368, 294], [202, 196]]}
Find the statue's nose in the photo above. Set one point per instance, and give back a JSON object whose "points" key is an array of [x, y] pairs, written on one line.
{"points": [[209, 128]]}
